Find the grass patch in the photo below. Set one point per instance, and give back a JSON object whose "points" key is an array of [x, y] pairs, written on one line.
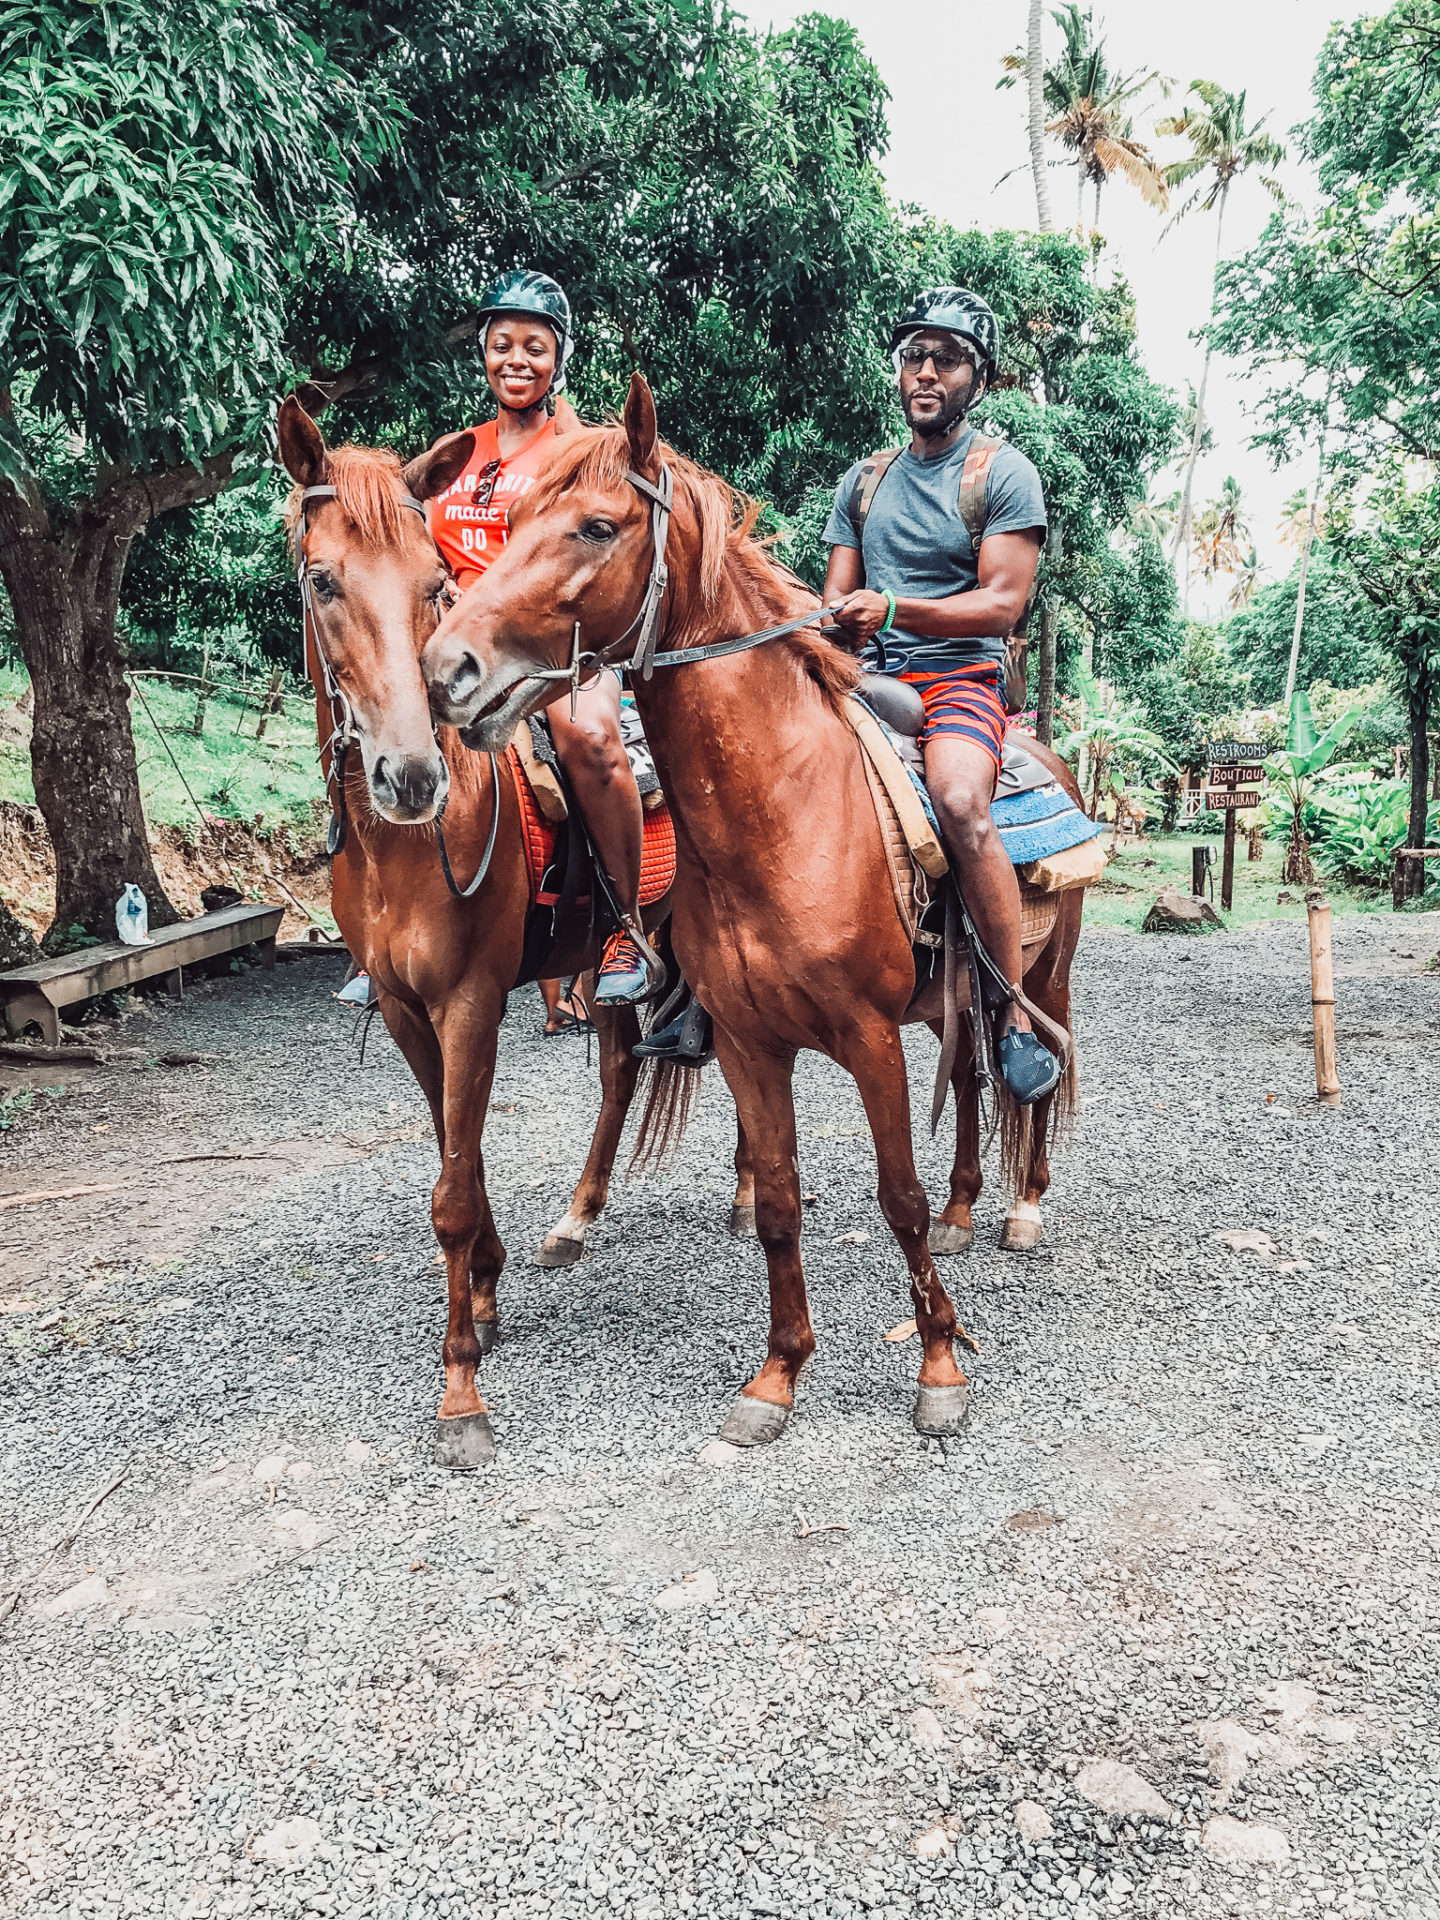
{"points": [[1136, 874], [266, 783]]}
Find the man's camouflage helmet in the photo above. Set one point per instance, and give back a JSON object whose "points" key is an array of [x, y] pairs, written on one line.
{"points": [[526, 291], [958, 311]]}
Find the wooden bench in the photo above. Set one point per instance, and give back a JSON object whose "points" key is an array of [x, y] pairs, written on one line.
{"points": [[38, 992]]}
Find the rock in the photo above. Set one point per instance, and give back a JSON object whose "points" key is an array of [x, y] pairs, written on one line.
{"points": [[1032, 1822], [926, 1727], [932, 1845], [1116, 1788], [719, 1453], [86, 1593], [271, 1468], [299, 1470], [357, 1453], [290, 1843], [991, 1622], [1248, 1240], [1176, 912], [1245, 1843], [700, 1589], [1229, 1748], [299, 1530]]}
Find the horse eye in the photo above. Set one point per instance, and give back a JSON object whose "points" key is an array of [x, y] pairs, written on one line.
{"points": [[324, 586], [598, 530]]}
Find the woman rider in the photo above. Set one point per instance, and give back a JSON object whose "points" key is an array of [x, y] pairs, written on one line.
{"points": [[526, 339]]}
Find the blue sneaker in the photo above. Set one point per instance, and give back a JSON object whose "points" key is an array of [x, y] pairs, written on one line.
{"points": [[624, 977], [1030, 1069]]}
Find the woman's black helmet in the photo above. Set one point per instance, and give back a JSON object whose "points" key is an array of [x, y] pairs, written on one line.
{"points": [[958, 311], [526, 291]]}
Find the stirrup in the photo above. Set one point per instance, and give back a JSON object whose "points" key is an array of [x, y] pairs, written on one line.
{"points": [[688, 1040]]}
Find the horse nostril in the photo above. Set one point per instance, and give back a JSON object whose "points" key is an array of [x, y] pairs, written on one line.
{"points": [[466, 677]]}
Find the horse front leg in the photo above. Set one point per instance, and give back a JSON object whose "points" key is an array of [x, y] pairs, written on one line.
{"points": [[1024, 1227], [765, 1102], [876, 1058], [464, 1227], [954, 1229], [619, 1030]]}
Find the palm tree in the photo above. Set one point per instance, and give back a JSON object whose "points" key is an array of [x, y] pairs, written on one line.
{"points": [[1035, 113], [1219, 531], [1085, 101], [1222, 148], [1247, 582], [1111, 735], [1153, 519]]}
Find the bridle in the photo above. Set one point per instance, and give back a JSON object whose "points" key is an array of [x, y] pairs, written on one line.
{"points": [[645, 626], [344, 733]]}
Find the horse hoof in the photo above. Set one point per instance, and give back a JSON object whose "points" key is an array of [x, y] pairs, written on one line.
{"points": [[942, 1410], [754, 1423], [558, 1251], [1021, 1231], [945, 1238], [742, 1223], [487, 1336], [465, 1442]]}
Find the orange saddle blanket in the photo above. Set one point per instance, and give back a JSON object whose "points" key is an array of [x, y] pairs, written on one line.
{"points": [[657, 856]]}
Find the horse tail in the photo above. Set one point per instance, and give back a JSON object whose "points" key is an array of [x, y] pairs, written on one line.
{"points": [[670, 1093]]}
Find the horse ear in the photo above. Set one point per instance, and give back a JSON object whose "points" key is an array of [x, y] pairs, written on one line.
{"points": [[566, 419], [641, 427], [302, 445], [433, 471]]}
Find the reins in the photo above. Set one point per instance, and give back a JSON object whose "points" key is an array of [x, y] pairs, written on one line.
{"points": [[344, 733], [646, 624]]}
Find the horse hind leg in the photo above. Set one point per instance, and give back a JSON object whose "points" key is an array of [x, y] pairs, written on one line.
{"points": [[953, 1230], [619, 1030], [1025, 1133]]}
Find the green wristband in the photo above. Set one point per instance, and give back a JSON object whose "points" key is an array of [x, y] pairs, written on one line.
{"points": [[890, 616]]}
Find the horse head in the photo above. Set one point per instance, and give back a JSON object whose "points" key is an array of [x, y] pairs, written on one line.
{"points": [[373, 587], [578, 556]]}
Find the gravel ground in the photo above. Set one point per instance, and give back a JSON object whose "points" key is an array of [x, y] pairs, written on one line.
{"points": [[1158, 1636]]}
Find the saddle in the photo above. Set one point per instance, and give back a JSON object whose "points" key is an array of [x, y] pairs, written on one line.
{"points": [[569, 891]]}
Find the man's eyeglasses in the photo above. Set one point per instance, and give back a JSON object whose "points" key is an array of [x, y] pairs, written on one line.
{"points": [[945, 359], [485, 484]]}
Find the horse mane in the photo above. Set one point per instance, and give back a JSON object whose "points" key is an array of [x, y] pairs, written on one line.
{"points": [[368, 482], [725, 520]]}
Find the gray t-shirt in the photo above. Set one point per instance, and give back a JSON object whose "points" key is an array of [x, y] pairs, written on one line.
{"points": [[917, 545]]}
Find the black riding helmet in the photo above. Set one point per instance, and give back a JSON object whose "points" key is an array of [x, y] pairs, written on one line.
{"points": [[529, 292], [960, 312]]}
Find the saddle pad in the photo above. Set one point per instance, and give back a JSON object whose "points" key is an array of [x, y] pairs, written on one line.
{"points": [[1036, 824], [657, 848]]}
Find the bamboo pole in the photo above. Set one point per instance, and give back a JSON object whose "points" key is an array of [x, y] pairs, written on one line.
{"points": [[1322, 1002]]}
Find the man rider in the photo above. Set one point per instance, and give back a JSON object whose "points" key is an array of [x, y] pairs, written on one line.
{"points": [[526, 339], [905, 566]]}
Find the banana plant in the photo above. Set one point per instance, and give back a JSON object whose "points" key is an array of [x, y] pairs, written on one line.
{"points": [[1110, 736], [1304, 766]]}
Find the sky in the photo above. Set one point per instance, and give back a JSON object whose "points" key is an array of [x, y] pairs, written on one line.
{"points": [[954, 136]]}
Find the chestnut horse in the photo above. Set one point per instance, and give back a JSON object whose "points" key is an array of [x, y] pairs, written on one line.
{"points": [[784, 919], [373, 585]]}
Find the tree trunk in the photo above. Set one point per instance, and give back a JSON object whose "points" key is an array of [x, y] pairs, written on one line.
{"points": [[64, 588], [17, 943], [1045, 674], [1419, 776], [1182, 530], [1304, 571], [1035, 81]]}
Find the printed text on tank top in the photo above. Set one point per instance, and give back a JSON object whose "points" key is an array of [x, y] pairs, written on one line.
{"points": [[470, 536]]}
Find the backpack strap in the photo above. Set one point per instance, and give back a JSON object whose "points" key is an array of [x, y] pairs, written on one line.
{"points": [[871, 474], [974, 485]]}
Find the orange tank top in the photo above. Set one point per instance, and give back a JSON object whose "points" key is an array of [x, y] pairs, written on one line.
{"points": [[470, 536]]}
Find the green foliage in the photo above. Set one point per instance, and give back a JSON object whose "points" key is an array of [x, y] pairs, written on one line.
{"points": [[1361, 828], [1187, 693], [167, 170], [1338, 643], [1110, 740]]}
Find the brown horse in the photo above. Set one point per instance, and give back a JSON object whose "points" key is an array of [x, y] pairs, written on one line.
{"points": [[373, 585], [784, 917]]}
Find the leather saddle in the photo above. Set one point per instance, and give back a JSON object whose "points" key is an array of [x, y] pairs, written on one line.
{"points": [[899, 707]]}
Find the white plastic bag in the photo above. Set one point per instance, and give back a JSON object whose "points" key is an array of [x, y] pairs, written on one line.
{"points": [[132, 918]]}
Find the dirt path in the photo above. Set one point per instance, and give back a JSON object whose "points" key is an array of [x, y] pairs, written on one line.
{"points": [[1158, 1637]]}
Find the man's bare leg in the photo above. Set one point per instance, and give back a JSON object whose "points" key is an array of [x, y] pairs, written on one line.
{"points": [[961, 777]]}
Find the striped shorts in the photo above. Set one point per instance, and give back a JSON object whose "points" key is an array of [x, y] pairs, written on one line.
{"points": [[967, 701]]}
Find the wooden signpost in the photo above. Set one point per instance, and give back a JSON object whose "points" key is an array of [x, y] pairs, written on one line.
{"points": [[1234, 782]]}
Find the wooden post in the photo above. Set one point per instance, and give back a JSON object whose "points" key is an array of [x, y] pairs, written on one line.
{"points": [[1322, 1002], [1198, 863], [1399, 881], [1227, 875]]}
